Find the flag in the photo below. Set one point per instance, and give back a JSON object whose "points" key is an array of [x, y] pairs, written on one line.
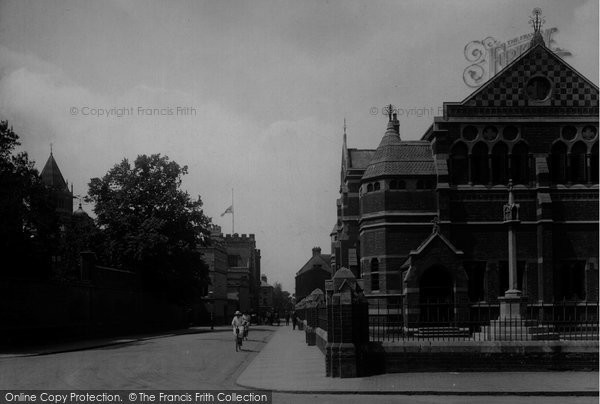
{"points": [[228, 210]]}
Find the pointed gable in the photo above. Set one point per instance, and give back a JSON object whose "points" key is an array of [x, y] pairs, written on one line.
{"points": [[506, 94], [51, 175], [436, 236], [316, 262]]}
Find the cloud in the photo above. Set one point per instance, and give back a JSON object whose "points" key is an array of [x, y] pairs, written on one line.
{"points": [[284, 174], [266, 86]]}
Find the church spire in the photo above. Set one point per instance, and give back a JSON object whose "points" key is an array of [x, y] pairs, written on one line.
{"points": [[536, 20]]}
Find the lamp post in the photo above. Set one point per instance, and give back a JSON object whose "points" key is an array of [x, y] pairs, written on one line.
{"points": [[212, 309]]}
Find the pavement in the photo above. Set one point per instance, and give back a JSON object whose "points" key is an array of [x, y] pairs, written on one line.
{"points": [[287, 364]]}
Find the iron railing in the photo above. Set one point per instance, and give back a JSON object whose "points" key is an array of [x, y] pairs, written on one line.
{"points": [[442, 320]]}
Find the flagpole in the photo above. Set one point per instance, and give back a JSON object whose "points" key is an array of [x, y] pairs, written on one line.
{"points": [[232, 214]]}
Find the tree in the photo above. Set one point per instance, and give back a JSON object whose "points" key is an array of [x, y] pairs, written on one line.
{"points": [[28, 223], [281, 299], [80, 234], [151, 226]]}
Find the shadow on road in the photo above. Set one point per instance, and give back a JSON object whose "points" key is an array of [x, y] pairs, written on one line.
{"points": [[58, 345]]}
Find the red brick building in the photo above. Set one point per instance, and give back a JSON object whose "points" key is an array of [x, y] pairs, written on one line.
{"points": [[424, 219], [313, 274]]}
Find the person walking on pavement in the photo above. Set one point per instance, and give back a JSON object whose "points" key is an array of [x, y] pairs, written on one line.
{"points": [[287, 318], [238, 330], [246, 324], [294, 320]]}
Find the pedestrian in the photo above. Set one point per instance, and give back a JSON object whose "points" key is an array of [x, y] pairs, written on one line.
{"points": [[287, 318], [246, 324], [238, 329], [294, 320]]}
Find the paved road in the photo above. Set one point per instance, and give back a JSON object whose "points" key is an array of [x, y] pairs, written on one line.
{"points": [[196, 361], [190, 361]]}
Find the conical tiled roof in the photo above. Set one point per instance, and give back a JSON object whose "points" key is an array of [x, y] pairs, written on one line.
{"points": [[400, 157], [52, 176]]}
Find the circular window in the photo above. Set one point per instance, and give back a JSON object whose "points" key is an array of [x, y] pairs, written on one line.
{"points": [[490, 133], [569, 132], [538, 88], [510, 133], [589, 133], [469, 133]]}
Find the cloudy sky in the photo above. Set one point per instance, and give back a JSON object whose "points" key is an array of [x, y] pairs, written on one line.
{"points": [[263, 88]]}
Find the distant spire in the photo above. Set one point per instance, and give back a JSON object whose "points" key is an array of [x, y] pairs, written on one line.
{"points": [[344, 140], [536, 20], [51, 149]]}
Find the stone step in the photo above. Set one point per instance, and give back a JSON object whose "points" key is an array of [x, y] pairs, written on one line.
{"points": [[523, 330], [479, 336], [442, 332], [514, 332], [520, 323], [578, 337]]}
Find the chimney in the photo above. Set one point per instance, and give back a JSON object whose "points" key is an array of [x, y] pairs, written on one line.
{"points": [[316, 251]]}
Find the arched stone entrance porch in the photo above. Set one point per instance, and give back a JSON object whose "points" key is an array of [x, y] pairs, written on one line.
{"points": [[435, 284]]}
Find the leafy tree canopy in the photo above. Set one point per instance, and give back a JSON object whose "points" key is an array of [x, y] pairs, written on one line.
{"points": [[28, 223], [150, 225], [281, 299]]}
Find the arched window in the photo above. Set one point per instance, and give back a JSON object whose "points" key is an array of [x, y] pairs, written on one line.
{"points": [[374, 274], [500, 164], [459, 165], [479, 164], [519, 164], [393, 184], [594, 164], [578, 166], [370, 188], [377, 186], [558, 163]]}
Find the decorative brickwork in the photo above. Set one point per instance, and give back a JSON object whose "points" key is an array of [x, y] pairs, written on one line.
{"points": [[459, 172], [347, 311]]}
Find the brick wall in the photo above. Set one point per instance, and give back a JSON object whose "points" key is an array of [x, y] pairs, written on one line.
{"points": [[411, 200], [481, 356], [113, 303], [309, 281]]}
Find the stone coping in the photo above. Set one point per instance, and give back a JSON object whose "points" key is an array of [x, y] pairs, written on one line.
{"points": [[491, 346]]}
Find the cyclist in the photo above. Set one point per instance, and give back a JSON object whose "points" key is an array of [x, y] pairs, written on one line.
{"points": [[238, 330]]}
